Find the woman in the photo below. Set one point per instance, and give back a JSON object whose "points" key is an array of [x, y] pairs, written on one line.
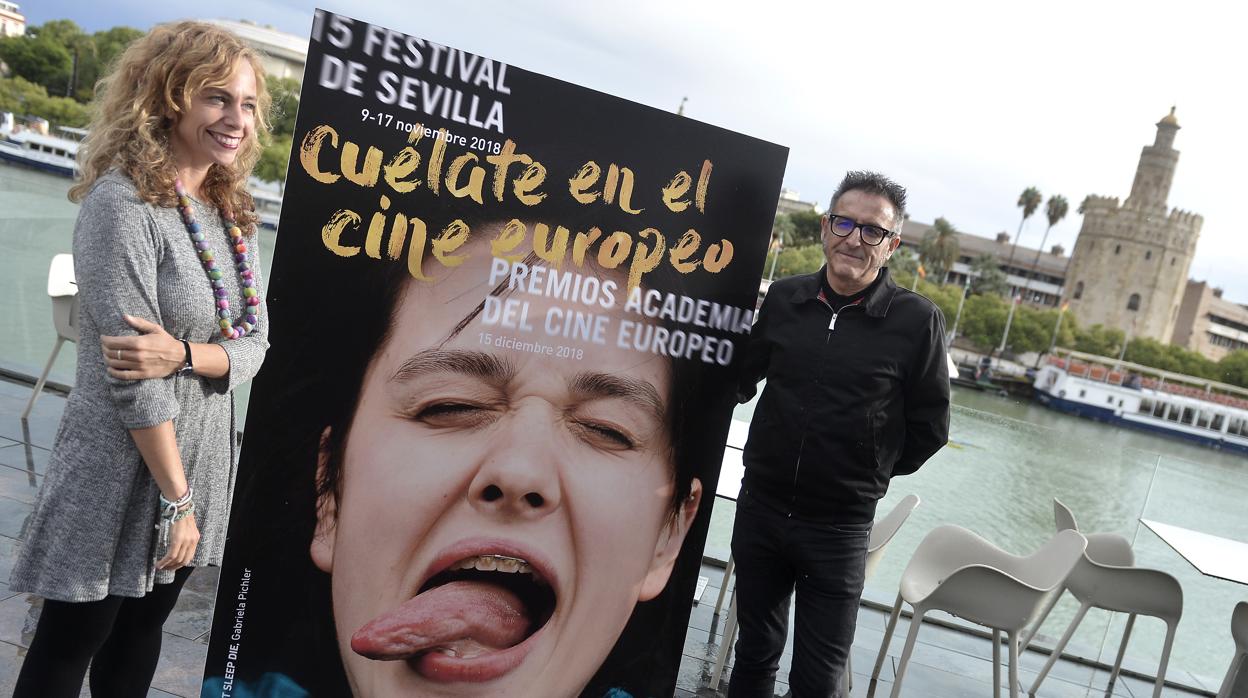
{"points": [[138, 489]]}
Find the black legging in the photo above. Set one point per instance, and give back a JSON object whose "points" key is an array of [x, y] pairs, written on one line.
{"points": [[118, 636]]}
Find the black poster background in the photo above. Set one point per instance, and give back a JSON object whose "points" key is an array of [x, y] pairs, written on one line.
{"points": [[272, 610]]}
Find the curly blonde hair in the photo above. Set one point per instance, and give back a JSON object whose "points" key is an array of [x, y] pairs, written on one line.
{"points": [[140, 100]]}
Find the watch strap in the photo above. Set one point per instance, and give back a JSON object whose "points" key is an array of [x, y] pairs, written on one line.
{"points": [[188, 366]]}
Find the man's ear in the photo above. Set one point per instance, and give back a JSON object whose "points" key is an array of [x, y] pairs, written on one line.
{"points": [[668, 547], [322, 548]]}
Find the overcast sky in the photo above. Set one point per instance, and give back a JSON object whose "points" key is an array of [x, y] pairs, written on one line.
{"points": [[965, 103]]}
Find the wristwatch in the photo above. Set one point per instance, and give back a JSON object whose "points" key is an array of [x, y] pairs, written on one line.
{"points": [[188, 366]]}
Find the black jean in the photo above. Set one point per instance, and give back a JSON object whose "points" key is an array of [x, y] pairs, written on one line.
{"points": [[776, 554]]}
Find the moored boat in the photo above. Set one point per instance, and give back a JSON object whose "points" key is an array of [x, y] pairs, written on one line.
{"points": [[1173, 404]]}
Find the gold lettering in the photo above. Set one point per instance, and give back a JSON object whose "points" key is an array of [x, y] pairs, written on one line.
{"points": [[310, 153], [585, 178], [626, 192], [532, 178], [675, 189], [508, 239], [551, 250], [582, 243], [476, 178], [331, 234], [684, 248], [376, 226], [645, 259], [452, 238], [713, 261], [501, 162], [704, 181], [615, 249], [416, 250], [367, 175]]}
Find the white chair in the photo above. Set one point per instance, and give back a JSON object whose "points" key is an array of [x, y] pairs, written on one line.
{"points": [[1106, 578], [1239, 631], [957, 571], [64, 294], [881, 533]]}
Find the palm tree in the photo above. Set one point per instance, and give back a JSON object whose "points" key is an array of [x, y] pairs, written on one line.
{"points": [[1029, 201], [939, 248], [1056, 211]]}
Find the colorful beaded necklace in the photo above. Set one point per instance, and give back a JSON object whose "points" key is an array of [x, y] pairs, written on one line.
{"points": [[250, 297]]}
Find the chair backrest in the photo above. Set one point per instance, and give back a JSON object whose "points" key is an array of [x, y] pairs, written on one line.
{"points": [[1051, 564], [1063, 516], [1239, 626], [64, 293], [884, 530]]}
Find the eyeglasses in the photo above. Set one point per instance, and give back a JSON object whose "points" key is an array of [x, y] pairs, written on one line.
{"points": [[844, 227]]}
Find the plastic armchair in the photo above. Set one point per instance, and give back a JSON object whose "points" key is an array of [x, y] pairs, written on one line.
{"points": [[882, 533], [1105, 578], [1239, 631], [956, 571], [64, 293]]}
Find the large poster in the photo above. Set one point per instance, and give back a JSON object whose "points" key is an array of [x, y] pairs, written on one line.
{"points": [[507, 317]]}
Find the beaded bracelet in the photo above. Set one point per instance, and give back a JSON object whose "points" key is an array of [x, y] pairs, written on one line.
{"points": [[169, 509]]}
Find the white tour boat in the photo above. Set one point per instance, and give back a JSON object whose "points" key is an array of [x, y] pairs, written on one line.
{"points": [[1118, 392]]}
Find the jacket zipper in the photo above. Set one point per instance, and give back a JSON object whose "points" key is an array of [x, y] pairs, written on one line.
{"points": [[797, 467]]}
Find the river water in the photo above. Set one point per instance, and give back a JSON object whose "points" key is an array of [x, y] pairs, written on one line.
{"points": [[1006, 461]]}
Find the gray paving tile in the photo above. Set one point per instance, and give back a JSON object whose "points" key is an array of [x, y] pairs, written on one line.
{"points": [[18, 616], [21, 485], [181, 668], [39, 430], [13, 516], [25, 458]]}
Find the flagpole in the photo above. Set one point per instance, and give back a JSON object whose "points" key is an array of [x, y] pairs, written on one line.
{"points": [[958, 317], [1008, 320], [1057, 326]]}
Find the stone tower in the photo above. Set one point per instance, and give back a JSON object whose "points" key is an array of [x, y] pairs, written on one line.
{"points": [[1130, 262]]}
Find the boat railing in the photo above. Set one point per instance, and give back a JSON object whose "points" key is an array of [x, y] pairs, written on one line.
{"points": [[1209, 391]]}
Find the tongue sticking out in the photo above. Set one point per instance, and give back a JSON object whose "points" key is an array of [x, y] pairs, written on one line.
{"points": [[465, 618]]}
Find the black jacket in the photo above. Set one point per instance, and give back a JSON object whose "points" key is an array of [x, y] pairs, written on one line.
{"points": [[851, 398]]}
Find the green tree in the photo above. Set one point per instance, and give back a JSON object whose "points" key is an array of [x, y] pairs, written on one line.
{"points": [[796, 260], [1055, 210], [903, 263], [1099, 339], [273, 162], [24, 97], [1233, 368], [41, 61], [939, 249], [806, 228], [285, 93], [1029, 201], [987, 276]]}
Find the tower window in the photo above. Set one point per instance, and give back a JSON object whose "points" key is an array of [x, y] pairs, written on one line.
{"points": [[1173, 260], [1148, 254], [1133, 303], [1117, 249], [1078, 290]]}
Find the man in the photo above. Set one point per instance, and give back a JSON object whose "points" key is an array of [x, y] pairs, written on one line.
{"points": [[857, 391]]}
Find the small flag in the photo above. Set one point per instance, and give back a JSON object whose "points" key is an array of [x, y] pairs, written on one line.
{"points": [[1065, 305], [922, 272]]}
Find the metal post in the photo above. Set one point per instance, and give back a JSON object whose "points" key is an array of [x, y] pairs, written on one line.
{"points": [[1057, 326], [1008, 320], [958, 317]]}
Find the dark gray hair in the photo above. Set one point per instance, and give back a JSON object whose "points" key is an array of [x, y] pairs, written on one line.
{"points": [[877, 184]]}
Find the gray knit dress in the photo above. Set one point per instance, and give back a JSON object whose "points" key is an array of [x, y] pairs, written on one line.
{"points": [[93, 529]]}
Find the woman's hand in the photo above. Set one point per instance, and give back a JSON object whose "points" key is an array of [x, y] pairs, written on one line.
{"points": [[183, 539], [152, 354]]}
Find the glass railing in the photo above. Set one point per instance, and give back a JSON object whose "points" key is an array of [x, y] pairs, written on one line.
{"points": [[1005, 463]]}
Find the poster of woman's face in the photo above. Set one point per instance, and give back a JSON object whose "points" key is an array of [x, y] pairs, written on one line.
{"points": [[478, 458]]}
